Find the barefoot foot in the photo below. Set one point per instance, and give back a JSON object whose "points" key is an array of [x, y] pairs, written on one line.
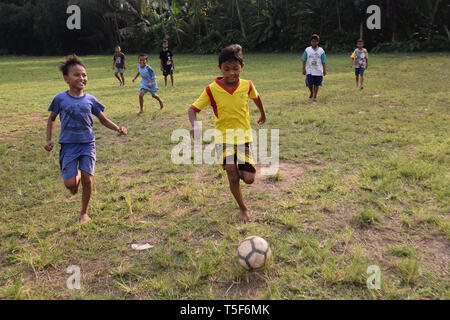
{"points": [[161, 105], [84, 218], [245, 216]]}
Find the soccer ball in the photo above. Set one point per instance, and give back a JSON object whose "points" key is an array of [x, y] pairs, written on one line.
{"points": [[253, 253]]}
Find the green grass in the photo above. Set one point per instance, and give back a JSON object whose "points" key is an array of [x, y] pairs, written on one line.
{"points": [[364, 180]]}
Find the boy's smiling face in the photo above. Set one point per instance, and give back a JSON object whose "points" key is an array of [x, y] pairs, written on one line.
{"points": [[142, 61], [76, 77], [360, 44], [231, 71], [314, 43]]}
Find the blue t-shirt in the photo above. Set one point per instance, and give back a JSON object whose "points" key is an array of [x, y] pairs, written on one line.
{"points": [[147, 75], [76, 116]]}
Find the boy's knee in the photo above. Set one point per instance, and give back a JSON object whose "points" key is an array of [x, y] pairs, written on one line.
{"points": [[71, 185], [249, 180], [86, 179]]}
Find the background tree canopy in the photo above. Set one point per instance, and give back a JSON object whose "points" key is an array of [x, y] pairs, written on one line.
{"points": [[38, 27]]}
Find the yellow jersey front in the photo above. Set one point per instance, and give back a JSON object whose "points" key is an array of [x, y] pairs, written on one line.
{"points": [[230, 109]]}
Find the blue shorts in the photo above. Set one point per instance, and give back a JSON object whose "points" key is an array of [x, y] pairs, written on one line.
{"points": [[153, 91], [74, 156], [359, 71], [313, 80]]}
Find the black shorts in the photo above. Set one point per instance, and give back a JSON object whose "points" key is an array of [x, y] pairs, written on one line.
{"points": [[167, 70], [241, 155]]}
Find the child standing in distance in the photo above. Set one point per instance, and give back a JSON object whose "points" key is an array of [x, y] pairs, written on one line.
{"points": [[228, 96], [314, 66], [75, 108], [148, 82], [167, 65], [119, 65], [361, 58]]}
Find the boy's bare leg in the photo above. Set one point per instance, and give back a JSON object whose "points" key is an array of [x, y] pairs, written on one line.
{"points": [[123, 79], [362, 81], [87, 182], [165, 81], [311, 92], [117, 76], [161, 103], [73, 184], [171, 79], [357, 81], [316, 91], [141, 101], [235, 187]]}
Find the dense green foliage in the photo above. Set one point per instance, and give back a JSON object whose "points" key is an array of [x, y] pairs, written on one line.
{"points": [[38, 27]]}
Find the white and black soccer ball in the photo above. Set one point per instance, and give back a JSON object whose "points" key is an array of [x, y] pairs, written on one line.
{"points": [[253, 253]]}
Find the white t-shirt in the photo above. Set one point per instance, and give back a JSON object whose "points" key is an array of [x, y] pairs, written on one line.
{"points": [[314, 60]]}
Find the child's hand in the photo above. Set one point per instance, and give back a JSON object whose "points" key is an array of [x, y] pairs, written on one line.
{"points": [[262, 119], [304, 72], [49, 146], [324, 73], [134, 80], [122, 131]]}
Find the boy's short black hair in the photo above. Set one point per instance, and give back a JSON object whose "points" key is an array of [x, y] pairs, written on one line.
{"points": [[164, 41], [71, 60], [360, 40], [143, 55], [315, 37], [231, 53]]}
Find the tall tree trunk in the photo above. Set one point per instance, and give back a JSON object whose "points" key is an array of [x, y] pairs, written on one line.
{"points": [[432, 10], [240, 19], [162, 18], [392, 12], [174, 21], [338, 16], [358, 10]]}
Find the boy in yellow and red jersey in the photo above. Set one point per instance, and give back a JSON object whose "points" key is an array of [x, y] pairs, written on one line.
{"points": [[228, 96]]}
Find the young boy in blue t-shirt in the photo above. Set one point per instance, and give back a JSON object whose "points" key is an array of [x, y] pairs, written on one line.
{"points": [[77, 156], [314, 66], [148, 82], [361, 58]]}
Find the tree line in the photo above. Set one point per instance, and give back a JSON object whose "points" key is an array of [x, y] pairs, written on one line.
{"points": [[38, 27]]}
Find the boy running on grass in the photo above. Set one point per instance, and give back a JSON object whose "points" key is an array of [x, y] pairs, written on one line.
{"points": [[228, 96], [75, 107], [361, 58], [314, 66], [119, 65], [167, 65], [148, 82]]}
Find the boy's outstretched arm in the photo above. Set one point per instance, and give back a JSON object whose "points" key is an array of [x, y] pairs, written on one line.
{"points": [[351, 62], [192, 119], [260, 106], [111, 125], [304, 68], [138, 74], [50, 126]]}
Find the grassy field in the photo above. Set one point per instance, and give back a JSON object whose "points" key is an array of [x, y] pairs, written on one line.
{"points": [[363, 180]]}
